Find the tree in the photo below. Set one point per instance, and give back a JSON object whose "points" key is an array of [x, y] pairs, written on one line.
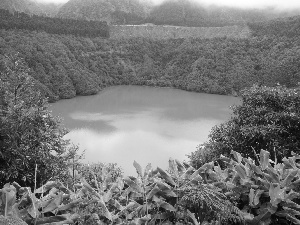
{"points": [[30, 137], [268, 119]]}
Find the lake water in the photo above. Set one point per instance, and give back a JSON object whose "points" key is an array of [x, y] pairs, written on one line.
{"points": [[126, 123]]}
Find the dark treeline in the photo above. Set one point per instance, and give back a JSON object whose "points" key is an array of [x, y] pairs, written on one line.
{"points": [[20, 20], [289, 27], [65, 66]]}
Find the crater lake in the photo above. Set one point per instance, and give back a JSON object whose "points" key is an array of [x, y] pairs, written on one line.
{"points": [[149, 125]]}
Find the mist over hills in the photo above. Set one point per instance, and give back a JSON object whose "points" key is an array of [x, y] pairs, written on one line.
{"points": [[30, 7], [21, 6], [112, 11], [169, 12], [189, 13]]}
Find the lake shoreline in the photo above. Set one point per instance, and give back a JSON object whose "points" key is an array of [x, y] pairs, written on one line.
{"points": [[133, 122], [235, 94]]}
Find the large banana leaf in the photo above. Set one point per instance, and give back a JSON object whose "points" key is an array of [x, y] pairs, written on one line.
{"points": [[166, 176]]}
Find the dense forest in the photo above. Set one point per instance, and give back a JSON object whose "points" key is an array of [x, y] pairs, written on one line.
{"points": [[169, 12], [289, 27], [65, 66], [20, 20]]}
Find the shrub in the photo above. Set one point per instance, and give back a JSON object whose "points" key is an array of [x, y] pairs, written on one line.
{"points": [[268, 118], [30, 137]]}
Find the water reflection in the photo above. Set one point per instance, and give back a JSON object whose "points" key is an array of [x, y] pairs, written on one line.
{"points": [[127, 123]]}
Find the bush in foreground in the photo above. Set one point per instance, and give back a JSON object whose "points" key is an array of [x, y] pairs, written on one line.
{"points": [[243, 192], [31, 140], [268, 118]]}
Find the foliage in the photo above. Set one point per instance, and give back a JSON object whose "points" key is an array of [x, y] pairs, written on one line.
{"points": [[31, 138], [267, 193], [287, 26], [51, 203], [20, 20], [268, 118], [241, 192], [65, 66]]}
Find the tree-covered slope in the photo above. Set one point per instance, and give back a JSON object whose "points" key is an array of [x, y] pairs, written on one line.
{"points": [[65, 66], [169, 12], [20, 20], [112, 11], [289, 27], [28, 6]]}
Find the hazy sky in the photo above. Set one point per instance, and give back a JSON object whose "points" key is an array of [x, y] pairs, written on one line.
{"points": [[281, 4]]}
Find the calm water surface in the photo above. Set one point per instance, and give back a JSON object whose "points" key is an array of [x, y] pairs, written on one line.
{"points": [[126, 123]]}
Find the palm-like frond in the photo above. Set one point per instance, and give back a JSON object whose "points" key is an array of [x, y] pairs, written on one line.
{"points": [[206, 201]]}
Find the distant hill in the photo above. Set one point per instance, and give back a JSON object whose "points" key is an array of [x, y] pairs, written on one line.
{"points": [[26, 6], [52, 25], [189, 13], [170, 12], [30, 7], [112, 11], [288, 27]]}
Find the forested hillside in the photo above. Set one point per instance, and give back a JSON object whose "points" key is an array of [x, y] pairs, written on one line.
{"points": [[30, 7], [112, 11], [19, 20], [66, 66], [190, 13], [175, 32], [27, 6], [289, 27], [170, 12]]}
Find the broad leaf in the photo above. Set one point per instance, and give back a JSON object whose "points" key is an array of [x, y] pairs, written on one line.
{"points": [[180, 166], [237, 156], [241, 171], [173, 167], [161, 203], [192, 216], [46, 187], [69, 205], [264, 216], [276, 194], [152, 192], [166, 176], [166, 189], [292, 195], [290, 217], [61, 219], [147, 169], [138, 168], [133, 185], [117, 205], [287, 181], [167, 206], [89, 188], [264, 159], [53, 204]]}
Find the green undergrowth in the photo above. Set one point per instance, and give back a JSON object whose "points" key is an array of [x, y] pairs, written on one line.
{"points": [[241, 191]]}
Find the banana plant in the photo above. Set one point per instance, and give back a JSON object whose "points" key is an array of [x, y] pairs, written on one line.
{"points": [[269, 190], [148, 194], [32, 209]]}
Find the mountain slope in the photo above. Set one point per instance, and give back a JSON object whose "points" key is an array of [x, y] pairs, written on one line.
{"points": [[112, 11], [288, 27], [190, 13], [30, 7], [27, 6]]}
